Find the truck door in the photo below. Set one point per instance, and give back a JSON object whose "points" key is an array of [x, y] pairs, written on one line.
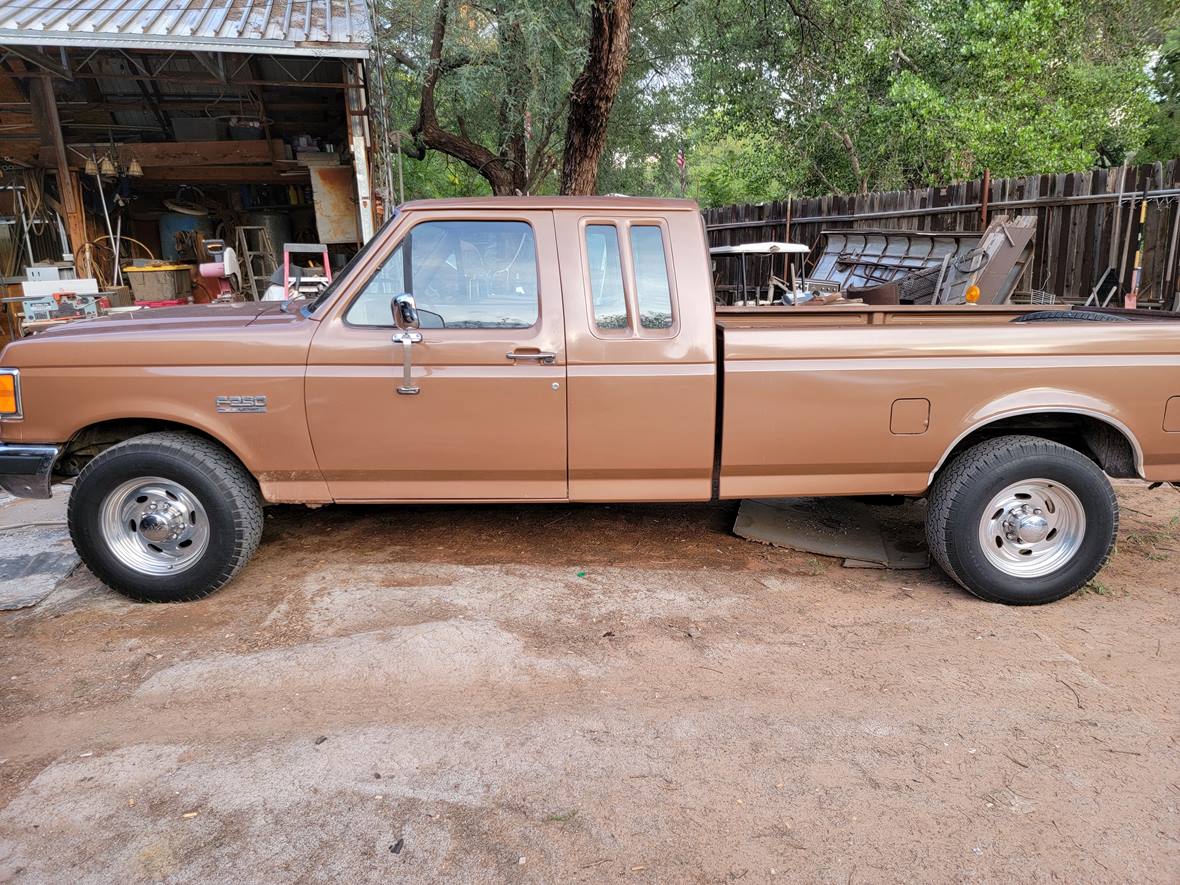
{"points": [[640, 345], [482, 413]]}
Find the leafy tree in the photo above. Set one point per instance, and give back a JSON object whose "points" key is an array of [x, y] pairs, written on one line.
{"points": [[1163, 140], [741, 167], [769, 99], [499, 86], [889, 93]]}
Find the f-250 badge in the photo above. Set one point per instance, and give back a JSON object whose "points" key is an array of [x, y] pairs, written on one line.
{"points": [[241, 403]]}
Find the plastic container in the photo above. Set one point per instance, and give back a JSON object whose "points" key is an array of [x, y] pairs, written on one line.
{"points": [[163, 282]]}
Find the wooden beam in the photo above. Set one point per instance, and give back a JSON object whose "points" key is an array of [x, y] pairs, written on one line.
{"points": [[75, 221], [150, 90], [358, 141], [201, 81], [179, 153], [226, 175], [214, 63], [178, 103], [257, 95], [22, 150], [45, 112], [41, 60]]}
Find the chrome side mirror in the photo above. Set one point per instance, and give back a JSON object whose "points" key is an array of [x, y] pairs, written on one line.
{"points": [[405, 312]]}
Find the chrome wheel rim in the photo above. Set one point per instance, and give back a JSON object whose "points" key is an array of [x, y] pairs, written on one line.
{"points": [[154, 526], [1032, 528]]}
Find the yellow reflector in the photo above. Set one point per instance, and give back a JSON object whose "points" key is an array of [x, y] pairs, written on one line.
{"points": [[7, 395], [972, 294]]}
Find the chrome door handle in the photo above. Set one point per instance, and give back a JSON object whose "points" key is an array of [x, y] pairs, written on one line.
{"points": [[543, 357], [407, 339]]}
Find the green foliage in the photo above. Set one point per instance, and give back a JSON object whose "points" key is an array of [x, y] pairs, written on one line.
{"points": [[739, 167], [881, 94], [1163, 140], [816, 96], [506, 63]]}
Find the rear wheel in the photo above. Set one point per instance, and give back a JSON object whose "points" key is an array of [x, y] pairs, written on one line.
{"points": [[1021, 520], [165, 517]]}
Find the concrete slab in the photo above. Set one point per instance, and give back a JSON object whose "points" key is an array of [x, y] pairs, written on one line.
{"points": [[35, 548], [861, 534], [32, 562], [20, 512]]}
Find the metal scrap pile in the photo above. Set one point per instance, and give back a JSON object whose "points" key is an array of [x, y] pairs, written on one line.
{"points": [[924, 267]]}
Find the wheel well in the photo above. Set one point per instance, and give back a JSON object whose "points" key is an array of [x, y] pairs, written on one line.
{"points": [[89, 441], [1102, 442]]}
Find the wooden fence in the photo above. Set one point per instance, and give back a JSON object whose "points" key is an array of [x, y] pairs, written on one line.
{"points": [[1087, 223]]}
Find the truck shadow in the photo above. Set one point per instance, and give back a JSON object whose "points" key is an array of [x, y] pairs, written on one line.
{"points": [[678, 536]]}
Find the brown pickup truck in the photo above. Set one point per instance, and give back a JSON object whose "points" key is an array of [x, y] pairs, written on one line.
{"points": [[568, 349]]}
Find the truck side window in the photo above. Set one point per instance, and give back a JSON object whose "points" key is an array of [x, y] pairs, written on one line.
{"points": [[462, 274], [606, 276], [651, 277]]}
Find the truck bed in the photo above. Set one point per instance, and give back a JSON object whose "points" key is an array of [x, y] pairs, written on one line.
{"points": [[869, 399], [775, 316]]}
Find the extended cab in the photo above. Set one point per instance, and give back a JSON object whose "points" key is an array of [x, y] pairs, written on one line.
{"points": [[569, 349]]}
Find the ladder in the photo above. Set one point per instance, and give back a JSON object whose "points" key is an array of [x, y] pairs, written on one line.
{"points": [[256, 255]]}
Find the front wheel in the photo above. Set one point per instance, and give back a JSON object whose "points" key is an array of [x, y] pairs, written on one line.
{"points": [[1021, 520], [165, 517]]}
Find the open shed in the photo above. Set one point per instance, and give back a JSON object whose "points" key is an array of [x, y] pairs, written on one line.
{"points": [[137, 128]]}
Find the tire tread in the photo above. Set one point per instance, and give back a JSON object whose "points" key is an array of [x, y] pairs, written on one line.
{"points": [[213, 459], [969, 466]]}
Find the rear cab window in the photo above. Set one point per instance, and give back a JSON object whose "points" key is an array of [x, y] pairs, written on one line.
{"points": [[628, 280]]}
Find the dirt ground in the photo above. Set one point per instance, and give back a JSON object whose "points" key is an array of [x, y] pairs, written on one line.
{"points": [[587, 693]]}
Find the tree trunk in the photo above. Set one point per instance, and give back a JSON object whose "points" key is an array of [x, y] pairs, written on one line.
{"points": [[593, 94], [427, 133]]}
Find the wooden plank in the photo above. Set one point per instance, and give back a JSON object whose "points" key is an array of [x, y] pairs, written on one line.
{"points": [[175, 153], [1066, 185], [1149, 289], [1090, 240], [227, 175]]}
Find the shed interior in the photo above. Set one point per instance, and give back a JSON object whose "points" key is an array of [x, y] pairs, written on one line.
{"points": [[113, 156]]}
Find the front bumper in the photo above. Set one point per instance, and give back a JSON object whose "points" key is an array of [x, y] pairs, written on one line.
{"points": [[26, 471]]}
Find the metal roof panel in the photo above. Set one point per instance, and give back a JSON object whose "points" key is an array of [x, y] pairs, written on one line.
{"points": [[282, 27]]}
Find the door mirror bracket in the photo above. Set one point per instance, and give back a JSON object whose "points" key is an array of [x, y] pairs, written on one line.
{"points": [[405, 317]]}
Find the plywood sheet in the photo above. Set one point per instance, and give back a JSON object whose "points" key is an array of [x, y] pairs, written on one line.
{"points": [[334, 190]]}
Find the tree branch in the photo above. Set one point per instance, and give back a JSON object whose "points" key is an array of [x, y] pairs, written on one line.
{"points": [[427, 131], [853, 157]]}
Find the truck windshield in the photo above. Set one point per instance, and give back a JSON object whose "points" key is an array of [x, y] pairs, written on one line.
{"points": [[343, 273]]}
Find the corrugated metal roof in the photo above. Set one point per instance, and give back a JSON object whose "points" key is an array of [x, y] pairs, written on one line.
{"points": [[339, 28]]}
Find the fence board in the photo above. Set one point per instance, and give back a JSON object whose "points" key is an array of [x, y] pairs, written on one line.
{"points": [[1086, 223]]}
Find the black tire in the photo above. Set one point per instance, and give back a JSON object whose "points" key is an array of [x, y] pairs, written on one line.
{"points": [[225, 490], [1071, 316], [970, 483]]}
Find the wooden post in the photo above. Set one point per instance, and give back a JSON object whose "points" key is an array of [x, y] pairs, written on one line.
{"points": [[45, 108], [357, 110], [987, 189]]}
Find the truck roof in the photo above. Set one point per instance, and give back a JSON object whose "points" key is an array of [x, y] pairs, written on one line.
{"points": [[604, 204]]}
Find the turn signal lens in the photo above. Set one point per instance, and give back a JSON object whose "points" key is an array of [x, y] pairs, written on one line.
{"points": [[8, 399], [972, 294]]}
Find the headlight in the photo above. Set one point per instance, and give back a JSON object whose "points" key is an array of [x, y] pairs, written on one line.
{"points": [[10, 393]]}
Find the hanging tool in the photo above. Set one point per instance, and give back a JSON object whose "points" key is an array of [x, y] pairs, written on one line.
{"points": [[1132, 299]]}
